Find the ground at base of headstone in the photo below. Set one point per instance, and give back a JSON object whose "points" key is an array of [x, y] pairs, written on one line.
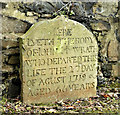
{"points": [[107, 100]]}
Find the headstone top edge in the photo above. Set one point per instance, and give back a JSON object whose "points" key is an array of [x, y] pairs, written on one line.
{"points": [[61, 17]]}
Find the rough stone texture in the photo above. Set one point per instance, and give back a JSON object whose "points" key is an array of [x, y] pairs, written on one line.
{"points": [[13, 51], [101, 26], [7, 68], [58, 61], [78, 9], [11, 36], [104, 9], [13, 25], [4, 58], [118, 30], [9, 44], [119, 50], [43, 7], [13, 60], [113, 52], [116, 70], [118, 33]]}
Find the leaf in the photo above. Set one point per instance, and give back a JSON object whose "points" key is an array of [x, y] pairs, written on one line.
{"points": [[70, 107], [77, 101], [106, 95]]}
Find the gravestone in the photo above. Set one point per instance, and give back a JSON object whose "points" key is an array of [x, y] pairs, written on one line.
{"points": [[58, 61]]}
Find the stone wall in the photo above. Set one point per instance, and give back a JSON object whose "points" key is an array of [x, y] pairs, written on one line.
{"points": [[100, 18]]}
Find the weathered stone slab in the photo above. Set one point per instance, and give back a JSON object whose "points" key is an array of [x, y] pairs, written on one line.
{"points": [[116, 69], [113, 52], [58, 61], [10, 25]]}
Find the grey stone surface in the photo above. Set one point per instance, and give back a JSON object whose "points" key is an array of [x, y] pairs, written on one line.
{"points": [[105, 8], [8, 43], [100, 25], [43, 7], [10, 25], [116, 70], [7, 68], [12, 51], [78, 9], [113, 50], [14, 60]]}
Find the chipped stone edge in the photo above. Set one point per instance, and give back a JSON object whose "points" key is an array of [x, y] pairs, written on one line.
{"points": [[63, 17]]}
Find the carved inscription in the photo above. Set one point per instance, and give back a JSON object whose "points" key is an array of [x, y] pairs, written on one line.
{"points": [[59, 63], [78, 63], [63, 32]]}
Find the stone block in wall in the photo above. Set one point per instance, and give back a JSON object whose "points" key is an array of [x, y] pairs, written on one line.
{"points": [[7, 68], [118, 30], [11, 36], [9, 43], [104, 40], [13, 60], [11, 51], [116, 70], [4, 58], [118, 33], [100, 26], [10, 25], [105, 8], [78, 9], [113, 50]]}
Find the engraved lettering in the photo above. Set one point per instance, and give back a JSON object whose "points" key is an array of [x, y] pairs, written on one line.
{"points": [[31, 82], [64, 32], [55, 71], [30, 42]]}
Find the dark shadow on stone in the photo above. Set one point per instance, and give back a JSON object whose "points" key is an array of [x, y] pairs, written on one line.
{"points": [[14, 88], [28, 25], [106, 70], [3, 5]]}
